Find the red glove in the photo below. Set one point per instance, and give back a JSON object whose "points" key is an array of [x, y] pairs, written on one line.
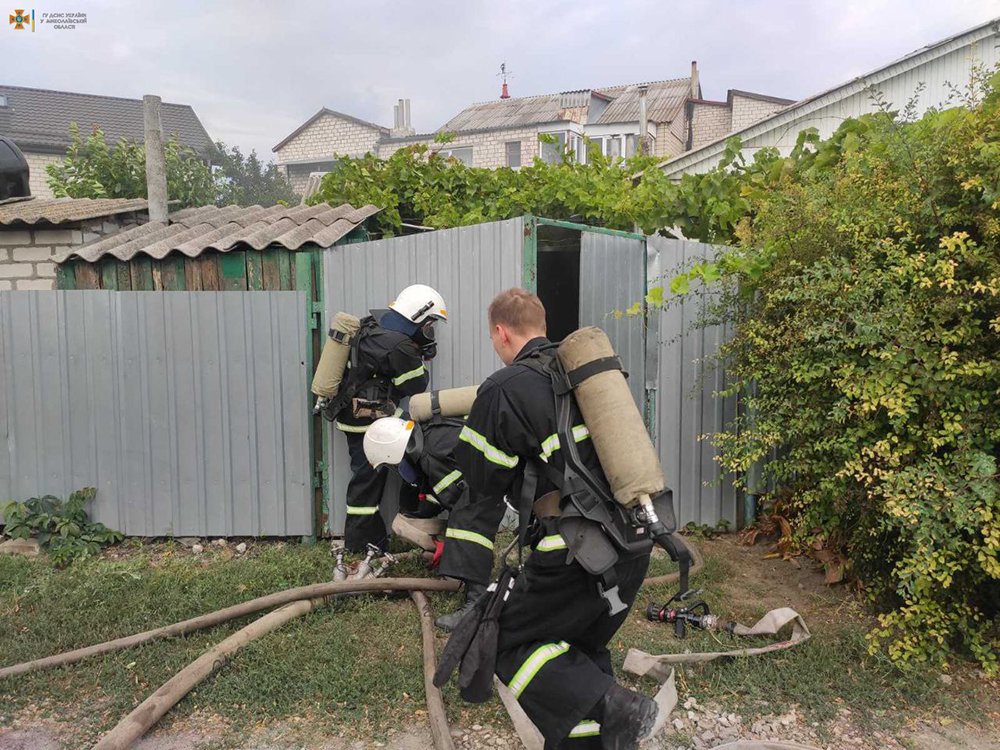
{"points": [[438, 551]]}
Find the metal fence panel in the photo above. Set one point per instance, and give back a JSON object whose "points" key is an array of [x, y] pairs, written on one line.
{"points": [[186, 410], [613, 278], [467, 265], [688, 407]]}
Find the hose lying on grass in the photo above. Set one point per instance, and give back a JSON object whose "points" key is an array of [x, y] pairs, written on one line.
{"points": [[436, 715], [151, 710], [231, 613]]}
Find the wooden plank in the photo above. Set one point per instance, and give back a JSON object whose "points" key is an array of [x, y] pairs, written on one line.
{"points": [[157, 276], [270, 269], [66, 276], [142, 273], [87, 276], [171, 273], [285, 269], [233, 267], [124, 276], [211, 278], [109, 273], [192, 274], [255, 270]]}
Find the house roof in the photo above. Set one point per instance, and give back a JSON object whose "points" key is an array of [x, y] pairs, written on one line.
{"points": [[335, 113], [18, 211], [192, 231], [39, 119], [784, 117], [664, 100]]}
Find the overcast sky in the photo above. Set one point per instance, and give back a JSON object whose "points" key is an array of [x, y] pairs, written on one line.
{"points": [[254, 70]]}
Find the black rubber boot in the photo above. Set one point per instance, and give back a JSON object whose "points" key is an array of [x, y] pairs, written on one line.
{"points": [[626, 718], [473, 593]]}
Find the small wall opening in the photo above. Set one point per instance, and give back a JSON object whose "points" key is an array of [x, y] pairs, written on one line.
{"points": [[558, 279]]}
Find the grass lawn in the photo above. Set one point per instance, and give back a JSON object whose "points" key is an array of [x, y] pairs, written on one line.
{"points": [[353, 669]]}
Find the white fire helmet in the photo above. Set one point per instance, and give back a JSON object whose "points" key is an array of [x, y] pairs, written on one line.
{"points": [[386, 440], [419, 303]]}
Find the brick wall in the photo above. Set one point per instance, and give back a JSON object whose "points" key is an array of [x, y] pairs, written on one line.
{"points": [[26, 252], [710, 122], [38, 177], [327, 136], [747, 111], [671, 137], [489, 150]]}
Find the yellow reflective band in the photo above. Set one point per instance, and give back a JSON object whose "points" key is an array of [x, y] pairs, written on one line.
{"points": [[468, 536], [408, 376], [493, 455], [431, 499], [538, 659], [351, 427], [362, 510], [586, 729], [551, 543], [448, 481], [551, 444]]}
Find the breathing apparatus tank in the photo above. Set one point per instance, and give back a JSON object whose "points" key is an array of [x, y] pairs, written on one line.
{"points": [[618, 433], [333, 360], [451, 402]]}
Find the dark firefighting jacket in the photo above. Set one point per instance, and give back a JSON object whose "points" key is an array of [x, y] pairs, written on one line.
{"points": [[385, 367]]}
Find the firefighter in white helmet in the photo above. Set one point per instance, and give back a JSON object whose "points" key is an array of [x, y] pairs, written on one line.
{"points": [[423, 454], [387, 363]]}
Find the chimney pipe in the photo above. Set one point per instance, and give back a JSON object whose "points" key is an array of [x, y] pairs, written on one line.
{"points": [[642, 146], [406, 113], [504, 94], [695, 83], [156, 166], [396, 114]]}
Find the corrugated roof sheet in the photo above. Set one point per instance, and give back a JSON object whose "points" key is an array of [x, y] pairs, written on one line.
{"points": [[192, 231], [40, 118], [507, 113], [63, 210], [664, 100]]}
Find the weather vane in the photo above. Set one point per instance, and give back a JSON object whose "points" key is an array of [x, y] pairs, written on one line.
{"points": [[504, 74]]}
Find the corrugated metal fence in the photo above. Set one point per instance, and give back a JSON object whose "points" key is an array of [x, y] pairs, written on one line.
{"points": [[467, 265], [187, 410], [689, 379]]}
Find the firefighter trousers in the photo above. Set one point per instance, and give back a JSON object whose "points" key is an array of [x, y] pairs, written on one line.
{"points": [[468, 546], [553, 645], [364, 493]]}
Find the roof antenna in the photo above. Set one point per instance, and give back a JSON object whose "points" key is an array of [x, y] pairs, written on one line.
{"points": [[504, 73]]}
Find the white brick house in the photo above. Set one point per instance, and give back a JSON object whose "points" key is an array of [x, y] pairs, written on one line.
{"points": [[505, 131]]}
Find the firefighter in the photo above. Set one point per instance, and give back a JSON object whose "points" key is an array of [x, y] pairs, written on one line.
{"points": [[387, 363], [555, 627], [423, 454]]}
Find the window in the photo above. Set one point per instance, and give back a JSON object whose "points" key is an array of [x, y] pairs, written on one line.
{"points": [[580, 149], [462, 153], [630, 144], [513, 154], [552, 153], [3, 100], [614, 146]]}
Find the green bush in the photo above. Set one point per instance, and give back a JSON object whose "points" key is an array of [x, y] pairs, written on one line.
{"points": [[63, 529], [868, 328]]}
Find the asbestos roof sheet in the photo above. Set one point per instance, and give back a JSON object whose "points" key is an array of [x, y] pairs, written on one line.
{"points": [[664, 100], [63, 210], [192, 231], [507, 113]]}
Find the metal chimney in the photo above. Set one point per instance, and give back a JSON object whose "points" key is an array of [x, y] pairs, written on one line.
{"points": [[156, 165]]}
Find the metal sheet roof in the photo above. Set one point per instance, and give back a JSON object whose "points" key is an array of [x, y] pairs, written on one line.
{"points": [[63, 210], [39, 119], [664, 100], [192, 231]]}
